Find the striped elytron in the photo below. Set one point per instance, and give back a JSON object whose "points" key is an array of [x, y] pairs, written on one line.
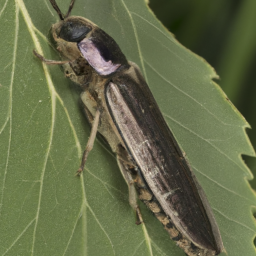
{"points": [[119, 105]]}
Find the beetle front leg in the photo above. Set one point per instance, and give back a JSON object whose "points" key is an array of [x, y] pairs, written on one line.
{"points": [[49, 62]]}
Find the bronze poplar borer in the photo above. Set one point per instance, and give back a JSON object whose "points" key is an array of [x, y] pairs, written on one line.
{"points": [[120, 106]]}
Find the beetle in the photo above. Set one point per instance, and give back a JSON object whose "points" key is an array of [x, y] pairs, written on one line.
{"points": [[120, 106]]}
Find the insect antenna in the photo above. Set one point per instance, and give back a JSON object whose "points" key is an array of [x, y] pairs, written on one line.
{"points": [[70, 8], [57, 9]]}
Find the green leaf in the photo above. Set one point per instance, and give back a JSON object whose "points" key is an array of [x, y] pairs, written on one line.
{"points": [[44, 208]]}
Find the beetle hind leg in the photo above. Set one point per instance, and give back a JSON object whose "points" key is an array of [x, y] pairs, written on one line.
{"points": [[125, 170]]}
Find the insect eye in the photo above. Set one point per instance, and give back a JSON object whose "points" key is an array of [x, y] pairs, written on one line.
{"points": [[73, 31]]}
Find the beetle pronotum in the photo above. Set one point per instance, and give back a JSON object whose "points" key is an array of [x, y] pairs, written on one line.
{"points": [[119, 105]]}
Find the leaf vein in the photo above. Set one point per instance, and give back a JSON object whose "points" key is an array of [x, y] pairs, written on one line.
{"points": [[147, 239], [73, 230], [2, 10], [235, 221], [19, 236], [102, 228], [105, 183], [137, 39], [186, 128], [158, 249], [9, 115], [186, 94], [217, 183], [138, 246], [30, 26]]}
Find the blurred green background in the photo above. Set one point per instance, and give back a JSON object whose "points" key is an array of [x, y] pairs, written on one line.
{"points": [[223, 32]]}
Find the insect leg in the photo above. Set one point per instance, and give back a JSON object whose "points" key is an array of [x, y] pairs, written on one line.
{"points": [[90, 142], [49, 62], [88, 115], [131, 187]]}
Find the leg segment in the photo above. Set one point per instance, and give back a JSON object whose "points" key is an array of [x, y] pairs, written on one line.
{"points": [[94, 122], [90, 142], [49, 62], [131, 187]]}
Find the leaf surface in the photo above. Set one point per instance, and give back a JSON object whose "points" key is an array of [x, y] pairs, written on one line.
{"points": [[44, 208]]}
